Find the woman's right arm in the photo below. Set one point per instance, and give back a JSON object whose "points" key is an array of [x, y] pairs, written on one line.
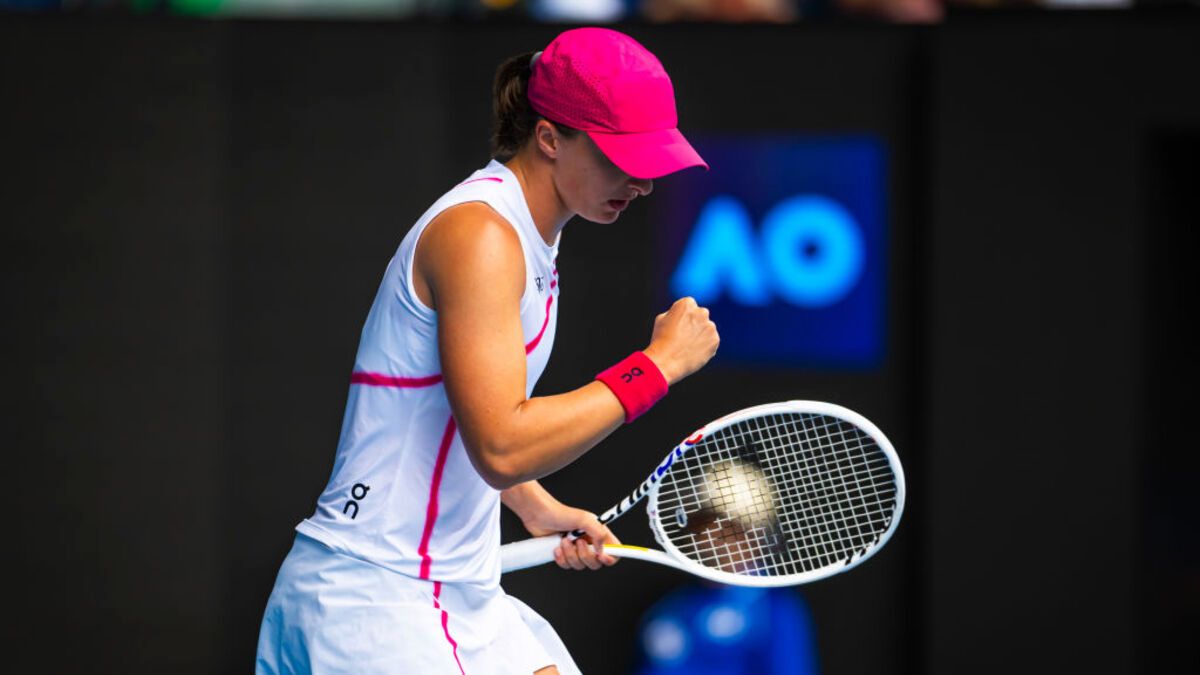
{"points": [[471, 266]]}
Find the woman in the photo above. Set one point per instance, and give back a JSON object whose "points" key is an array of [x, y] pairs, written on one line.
{"points": [[398, 569]]}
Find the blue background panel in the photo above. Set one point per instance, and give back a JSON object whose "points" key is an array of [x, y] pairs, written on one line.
{"points": [[784, 240]]}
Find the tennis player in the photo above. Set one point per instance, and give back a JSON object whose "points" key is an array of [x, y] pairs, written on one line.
{"points": [[398, 569]]}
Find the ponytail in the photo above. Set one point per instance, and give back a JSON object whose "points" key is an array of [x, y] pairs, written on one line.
{"points": [[513, 119]]}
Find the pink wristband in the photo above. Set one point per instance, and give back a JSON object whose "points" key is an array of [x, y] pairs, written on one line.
{"points": [[637, 384]]}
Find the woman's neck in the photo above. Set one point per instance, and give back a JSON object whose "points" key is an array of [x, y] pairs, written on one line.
{"points": [[546, 206]]}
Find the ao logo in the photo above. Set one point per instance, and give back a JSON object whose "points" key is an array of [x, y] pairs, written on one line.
{"points": [[809, 252]]}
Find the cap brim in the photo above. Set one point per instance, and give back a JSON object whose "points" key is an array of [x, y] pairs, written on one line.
{"points": [[648, 154]]}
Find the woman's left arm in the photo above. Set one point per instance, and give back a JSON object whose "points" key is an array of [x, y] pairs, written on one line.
{"points": [[542, 514]]}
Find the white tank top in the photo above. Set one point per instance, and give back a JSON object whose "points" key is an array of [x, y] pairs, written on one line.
{"points": [[403, 493]]}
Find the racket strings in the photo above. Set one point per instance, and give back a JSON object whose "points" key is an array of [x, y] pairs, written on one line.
{"points": [[833, 518], [845, 510], [780, 494], [821, 526], [738, 542]]}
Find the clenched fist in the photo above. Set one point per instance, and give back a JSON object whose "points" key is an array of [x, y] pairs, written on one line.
{"points": [[684, 340]]}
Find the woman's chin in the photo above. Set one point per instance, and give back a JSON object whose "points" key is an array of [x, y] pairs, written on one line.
{"points": [[605, 217]]}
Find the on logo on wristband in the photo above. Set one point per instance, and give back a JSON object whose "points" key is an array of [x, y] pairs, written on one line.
{"points": [[636, 382]]}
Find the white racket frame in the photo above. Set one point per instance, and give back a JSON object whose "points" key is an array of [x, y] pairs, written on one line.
{"points": [[540, 550]]}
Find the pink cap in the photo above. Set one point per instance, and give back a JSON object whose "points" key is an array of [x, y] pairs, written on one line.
{"points": [[606, 84]]}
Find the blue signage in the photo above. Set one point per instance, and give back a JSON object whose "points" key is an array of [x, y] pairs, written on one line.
{"points": [[784, 241]]}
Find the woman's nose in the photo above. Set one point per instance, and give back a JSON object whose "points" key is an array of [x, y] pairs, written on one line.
{"points": [[644, 186]]}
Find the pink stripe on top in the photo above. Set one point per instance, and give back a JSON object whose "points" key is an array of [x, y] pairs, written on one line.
{"points": [[534, 342], [476, 180], [431, 509], [381, 380]]}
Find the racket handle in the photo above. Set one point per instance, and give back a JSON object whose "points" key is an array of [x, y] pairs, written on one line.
{"points": [[528, 553]]}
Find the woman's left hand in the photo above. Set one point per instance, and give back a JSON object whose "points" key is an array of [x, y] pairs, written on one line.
{"points": [[575, 554]]}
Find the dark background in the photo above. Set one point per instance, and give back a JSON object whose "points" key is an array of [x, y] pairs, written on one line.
{"points": [[196, 215]]}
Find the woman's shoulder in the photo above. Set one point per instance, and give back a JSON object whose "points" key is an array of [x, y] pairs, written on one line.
{"points": [[471, 235], [472, 225]]}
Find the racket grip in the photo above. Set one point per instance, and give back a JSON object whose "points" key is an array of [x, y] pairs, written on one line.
{"points": [[528, 553]]}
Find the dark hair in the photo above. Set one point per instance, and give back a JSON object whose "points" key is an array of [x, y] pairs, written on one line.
{"points": [[513, 119]]}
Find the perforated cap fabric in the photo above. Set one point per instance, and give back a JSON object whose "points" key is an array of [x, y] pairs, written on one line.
{"points": [[608, 85]]}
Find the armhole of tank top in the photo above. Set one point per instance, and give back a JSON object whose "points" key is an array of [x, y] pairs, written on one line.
{"points": [[428, 312]]}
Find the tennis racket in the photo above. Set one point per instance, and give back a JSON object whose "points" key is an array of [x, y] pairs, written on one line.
{"points": [[773, 495]]}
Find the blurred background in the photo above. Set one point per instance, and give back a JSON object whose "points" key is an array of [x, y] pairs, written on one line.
{"points": [[970, 221]]}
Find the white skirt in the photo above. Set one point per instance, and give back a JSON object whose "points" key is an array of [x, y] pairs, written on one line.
{"points": [[332, 613]]}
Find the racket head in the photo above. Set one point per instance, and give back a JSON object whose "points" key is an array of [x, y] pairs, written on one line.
{"points": [[779, 494]]}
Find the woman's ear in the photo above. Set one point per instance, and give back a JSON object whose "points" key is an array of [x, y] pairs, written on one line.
{"points": [[546, 137]]}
